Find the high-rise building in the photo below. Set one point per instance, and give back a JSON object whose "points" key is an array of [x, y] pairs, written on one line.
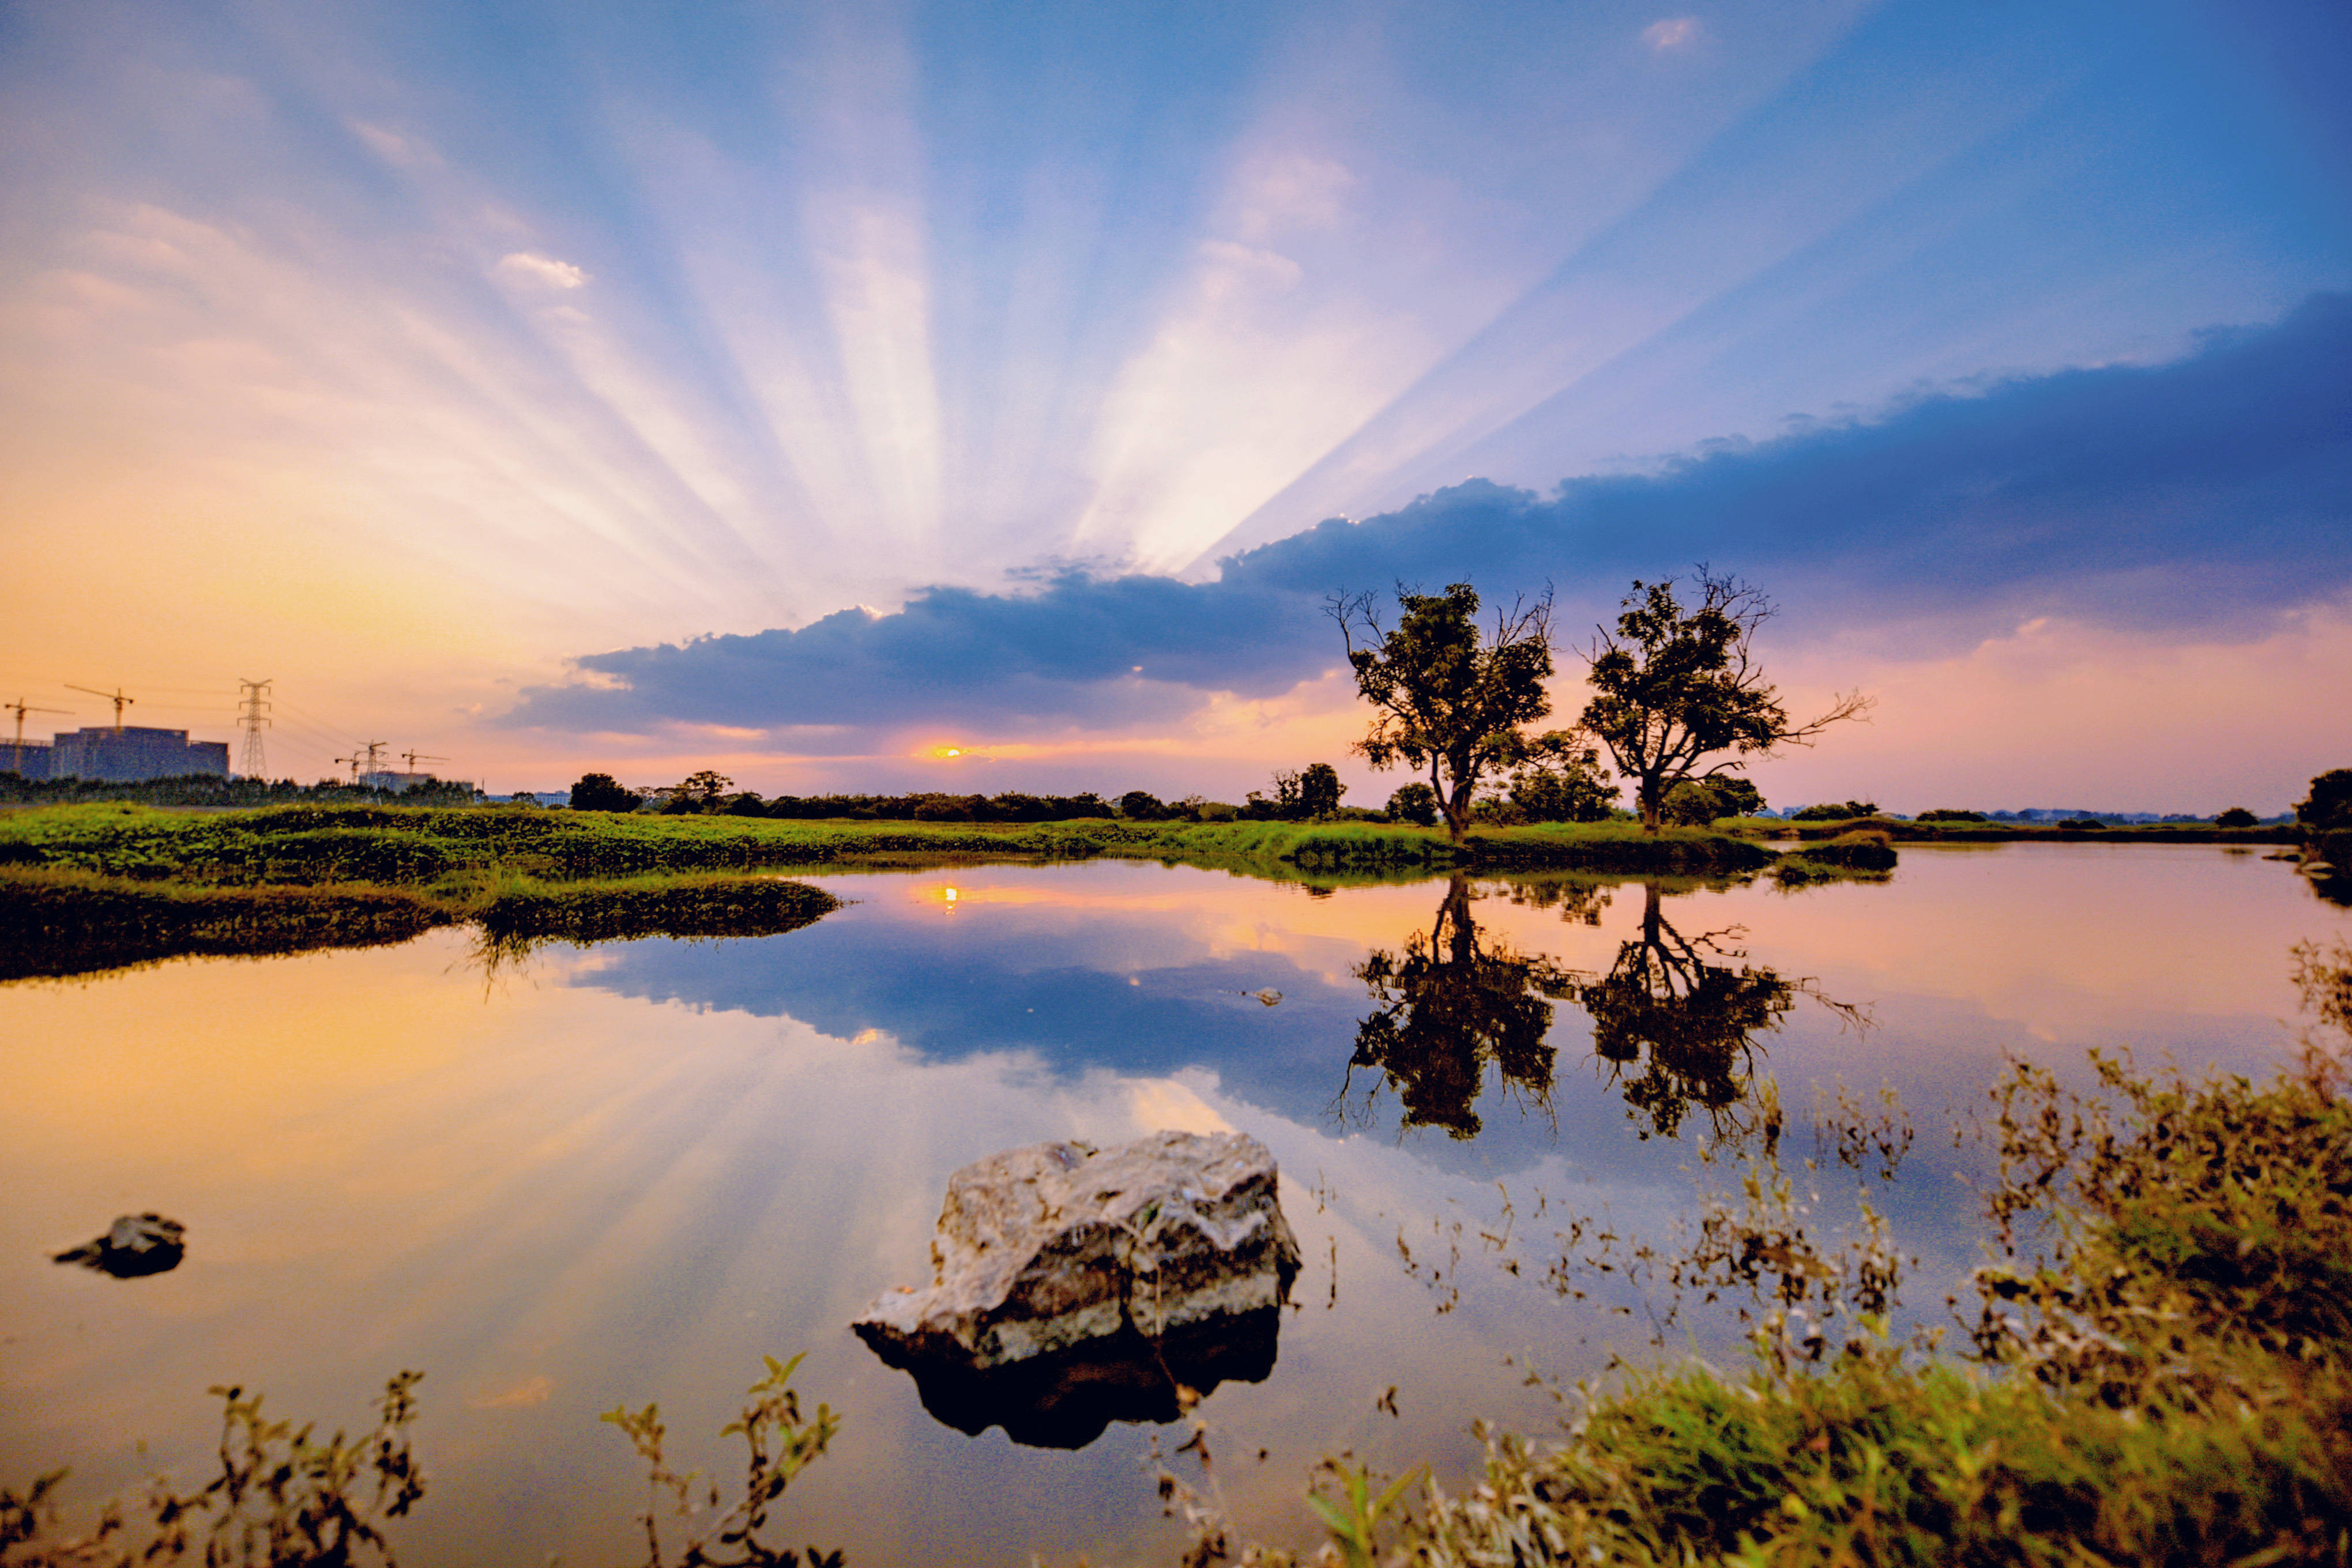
{"points": [[133, 753]]}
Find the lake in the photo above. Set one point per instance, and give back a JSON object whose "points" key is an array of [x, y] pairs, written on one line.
{"points": [[625, 1173]]}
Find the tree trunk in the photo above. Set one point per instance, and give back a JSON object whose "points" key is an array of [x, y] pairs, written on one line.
{"points": [[1649, 797]]}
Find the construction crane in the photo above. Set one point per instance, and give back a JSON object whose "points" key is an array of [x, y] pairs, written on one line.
{"points": [[370, 757], [115, 697], [414, 758], [20, 708]]}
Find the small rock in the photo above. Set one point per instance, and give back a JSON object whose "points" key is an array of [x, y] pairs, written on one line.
{"points": [[134, 1245], [1092, 1262]]}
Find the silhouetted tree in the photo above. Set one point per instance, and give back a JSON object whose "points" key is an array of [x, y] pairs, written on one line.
{"points": [[1448, 1005], [2236, 817], [2328, 806], [1696, 802], [1563, 781], [1444, 697], [1836, 811], [1674, 687], [602, 792], [1141, 806], [1319, 790], [1415, 803]]}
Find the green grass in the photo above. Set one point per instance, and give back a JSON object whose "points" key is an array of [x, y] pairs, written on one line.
{"points": [[64, 922], [2160, 1370]]}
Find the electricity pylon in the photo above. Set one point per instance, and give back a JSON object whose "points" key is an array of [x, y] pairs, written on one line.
{"points": [[20, 708], [252, 716], [115, 697]]}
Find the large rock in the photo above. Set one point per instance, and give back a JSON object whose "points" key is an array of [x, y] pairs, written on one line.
{"points": [[1065, 1256]]}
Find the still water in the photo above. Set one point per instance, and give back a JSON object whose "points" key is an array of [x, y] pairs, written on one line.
{"points": [[622, 1174]]}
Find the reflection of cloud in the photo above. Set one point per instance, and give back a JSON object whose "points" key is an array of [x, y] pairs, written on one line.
{"points": [[531, 1391], [1672, 34], [529, 266]]}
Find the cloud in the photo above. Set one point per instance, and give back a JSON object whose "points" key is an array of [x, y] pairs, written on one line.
{"points": [[1672, 34], [540, 271], [2192, 500]]}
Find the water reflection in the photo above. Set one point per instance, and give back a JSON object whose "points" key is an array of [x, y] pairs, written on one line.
{"points": [[1068, 1398], [1448, 1005], [1679, 1032], [1675, 1018]]}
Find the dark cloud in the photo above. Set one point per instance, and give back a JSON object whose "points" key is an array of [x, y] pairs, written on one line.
{"points": [[2199, 498]]}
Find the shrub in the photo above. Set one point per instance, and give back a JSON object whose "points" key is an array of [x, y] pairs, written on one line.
{"points": [[1948, 814], [1867, 849], [2236, 817], [2081, 824], [1138, 806], [2330, 804], [602, 792], [1838, 811], [1414, 803]]}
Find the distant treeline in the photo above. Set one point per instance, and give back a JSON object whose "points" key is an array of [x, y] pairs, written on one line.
{"points": [[213, 789]]}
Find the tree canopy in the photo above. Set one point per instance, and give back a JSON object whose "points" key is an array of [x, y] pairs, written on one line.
{"points": [[1674, 687], [1446, 698]]}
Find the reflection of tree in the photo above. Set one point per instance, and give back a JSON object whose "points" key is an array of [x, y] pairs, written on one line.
{"points": [[1679, 1030], [1677, 1017], [1447, 1006]]}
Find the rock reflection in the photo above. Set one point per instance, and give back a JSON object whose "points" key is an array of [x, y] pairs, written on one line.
{"points": [[1675, 1018], [1447, 1007], [1068, 1398]]}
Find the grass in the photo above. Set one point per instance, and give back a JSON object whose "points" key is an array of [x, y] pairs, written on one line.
{"points": [[93, 886], [2160, 1371]]}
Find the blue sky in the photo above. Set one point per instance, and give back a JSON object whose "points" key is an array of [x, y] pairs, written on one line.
{"points": [[895, 378]]}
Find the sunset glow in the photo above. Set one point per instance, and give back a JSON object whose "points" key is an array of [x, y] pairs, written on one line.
{"points": [[768, 389]]}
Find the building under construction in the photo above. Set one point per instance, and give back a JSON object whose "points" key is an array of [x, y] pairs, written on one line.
{"points": [[122, 755]]}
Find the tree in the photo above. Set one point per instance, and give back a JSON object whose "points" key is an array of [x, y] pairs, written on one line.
{"points": [[1415, 803], [1563, 781], [602, 792], [1836, 811], [2330, 804], [1696, 802], [2236, 817], [704, 788], [1319, 790], [1141, 806], [1444, 699], [1674, 687]]}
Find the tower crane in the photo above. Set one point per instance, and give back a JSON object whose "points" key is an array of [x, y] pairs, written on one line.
{"points": [[20, 708], [115, 697]]}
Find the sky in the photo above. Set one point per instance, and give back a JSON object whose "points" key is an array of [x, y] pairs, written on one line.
{"points": [[986, 396]]}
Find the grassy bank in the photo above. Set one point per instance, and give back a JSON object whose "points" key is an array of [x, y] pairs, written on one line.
{"points": [[311, 844], [65, 922], [2160, 1368], [2013, 833], [93, 886]]}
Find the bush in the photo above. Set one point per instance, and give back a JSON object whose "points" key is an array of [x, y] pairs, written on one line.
{"points": [[1868, 849], [602, 792], [1138, 806], [1837, 812], [2236, 817], [1948, 814], [2081, 825], [2330, 804], [1414, 803]]}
